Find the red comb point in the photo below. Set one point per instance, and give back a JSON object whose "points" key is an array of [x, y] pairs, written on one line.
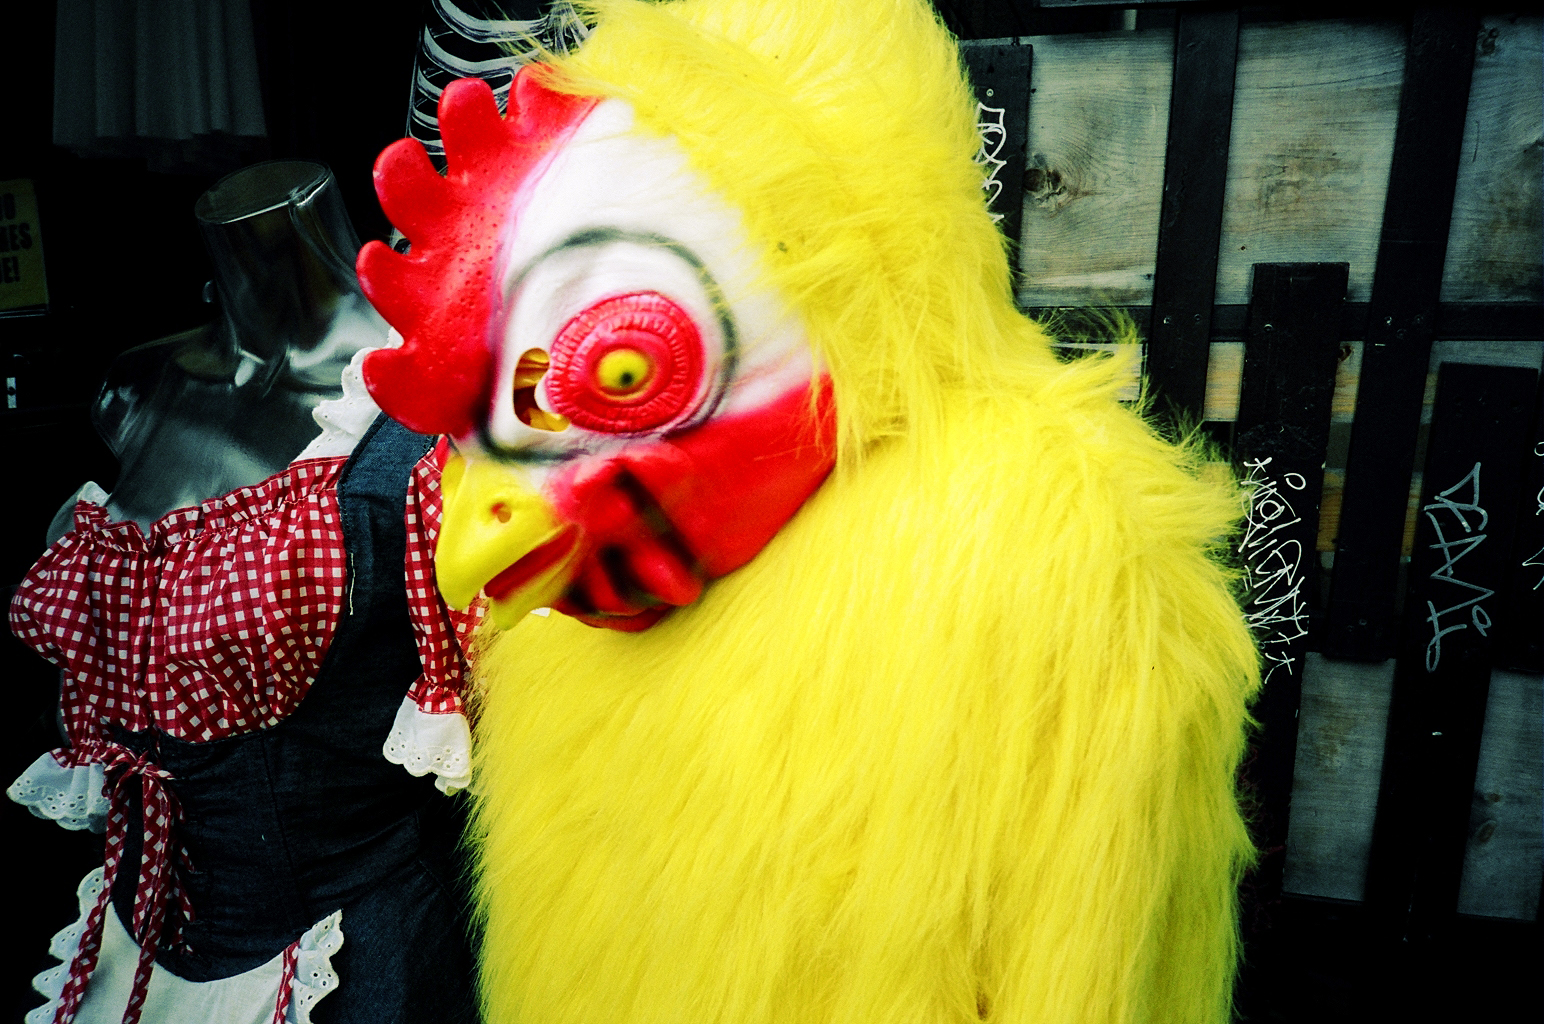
{"points": [[443, 295]]}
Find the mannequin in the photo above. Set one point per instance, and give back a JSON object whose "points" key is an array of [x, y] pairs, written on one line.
{"points": [[238, 653], [229, 404]]}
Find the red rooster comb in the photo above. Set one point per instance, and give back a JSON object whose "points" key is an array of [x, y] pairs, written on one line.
{"points": [[442, 295]]}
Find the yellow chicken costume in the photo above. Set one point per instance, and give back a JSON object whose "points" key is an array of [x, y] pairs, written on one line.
{"points": [[944, 730]]}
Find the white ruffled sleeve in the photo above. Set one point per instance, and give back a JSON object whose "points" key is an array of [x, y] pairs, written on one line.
{"points": [[71, 796], [438, 742], [431, 733]]}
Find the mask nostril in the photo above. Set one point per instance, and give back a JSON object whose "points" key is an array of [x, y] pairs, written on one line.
{"points": [[500, 512]]}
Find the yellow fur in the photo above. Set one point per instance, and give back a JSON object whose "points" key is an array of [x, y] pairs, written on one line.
{"points": [[960, 743], [843, 132]]}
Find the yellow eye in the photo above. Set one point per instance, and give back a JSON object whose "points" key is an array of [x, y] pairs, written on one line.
{"points": [[623, 371]]}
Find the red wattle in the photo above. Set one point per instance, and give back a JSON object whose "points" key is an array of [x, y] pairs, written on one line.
{"points": [[674, 513]]}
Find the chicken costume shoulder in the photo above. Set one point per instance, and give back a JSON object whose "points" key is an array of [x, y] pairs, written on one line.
{"points": [[895, 679]]}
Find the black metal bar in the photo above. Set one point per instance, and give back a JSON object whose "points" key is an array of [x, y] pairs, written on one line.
{"points": [[1491, 321], [1112, 3], [1433, 103], [1000, 75], [1190, 222], [1456, 321], [1282, 432], [1436, 716]]}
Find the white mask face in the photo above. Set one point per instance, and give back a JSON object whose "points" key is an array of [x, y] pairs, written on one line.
{"points": [[633, 305]]}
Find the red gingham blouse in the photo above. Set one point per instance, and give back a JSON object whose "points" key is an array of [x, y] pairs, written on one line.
{"points": [[217, 621]]}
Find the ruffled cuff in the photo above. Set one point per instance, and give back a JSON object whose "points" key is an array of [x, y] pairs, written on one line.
{"points": [[423, 742], [72, 796]]}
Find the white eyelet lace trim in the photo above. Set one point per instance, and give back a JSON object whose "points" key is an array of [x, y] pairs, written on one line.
{"points": [[242, 997], [424, 743], [343, 420], [71, 796], [62, 946], [314, 976]]}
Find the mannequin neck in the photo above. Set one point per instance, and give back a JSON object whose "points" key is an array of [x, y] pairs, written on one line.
{"points": [[283, 252]]}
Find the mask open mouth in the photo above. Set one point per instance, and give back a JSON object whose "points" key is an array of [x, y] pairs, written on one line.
{"points": [[532, 567]]}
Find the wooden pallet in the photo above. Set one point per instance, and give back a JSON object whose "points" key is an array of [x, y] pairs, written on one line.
{"points": [[1328, 230]]}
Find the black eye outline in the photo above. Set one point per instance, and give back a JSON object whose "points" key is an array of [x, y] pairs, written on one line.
{"points": [[594, 237]]}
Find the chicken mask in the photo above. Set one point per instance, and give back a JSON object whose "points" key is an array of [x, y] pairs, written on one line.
{"points": [[634, 412]]}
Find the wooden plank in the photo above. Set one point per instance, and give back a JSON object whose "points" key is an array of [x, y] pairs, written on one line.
{"points": [[1292, 358], [1341, 725], [1098, 118], [1521, 321], [1224, 381], [1498, 207], [1361, 620], [1282, 429], [1329, 509], [1312, 143], [1437, 712], [1313, 137], [1504, 857], [1458, 321], [1526, 355], [1347, 373], [1195, 175]]}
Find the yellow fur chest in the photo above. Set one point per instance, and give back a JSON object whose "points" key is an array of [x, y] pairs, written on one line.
{"points": [[897, 768]]}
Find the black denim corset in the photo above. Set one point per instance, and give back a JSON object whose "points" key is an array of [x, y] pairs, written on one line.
{"points": [[286, 825]]}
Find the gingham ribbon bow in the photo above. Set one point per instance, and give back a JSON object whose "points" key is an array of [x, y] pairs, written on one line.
{"points": [[159, 869]]}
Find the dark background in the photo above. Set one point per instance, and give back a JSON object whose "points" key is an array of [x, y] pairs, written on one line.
{"points": [[126, 265]]}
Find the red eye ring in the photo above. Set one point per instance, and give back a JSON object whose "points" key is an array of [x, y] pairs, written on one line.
{"points": [[647, 323]]}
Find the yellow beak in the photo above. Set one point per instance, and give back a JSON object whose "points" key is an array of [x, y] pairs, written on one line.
{"points": [[493, 518]]}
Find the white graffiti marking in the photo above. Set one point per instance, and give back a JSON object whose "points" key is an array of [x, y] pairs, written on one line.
{"points": [[1537, 558], [994, 135], [1273, 562], [1448, 504]]}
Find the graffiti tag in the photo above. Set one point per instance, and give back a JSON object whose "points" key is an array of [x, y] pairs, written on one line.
{"points": [[1452, 509], [994, 134], [1273, 562], [1537, 558]]}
